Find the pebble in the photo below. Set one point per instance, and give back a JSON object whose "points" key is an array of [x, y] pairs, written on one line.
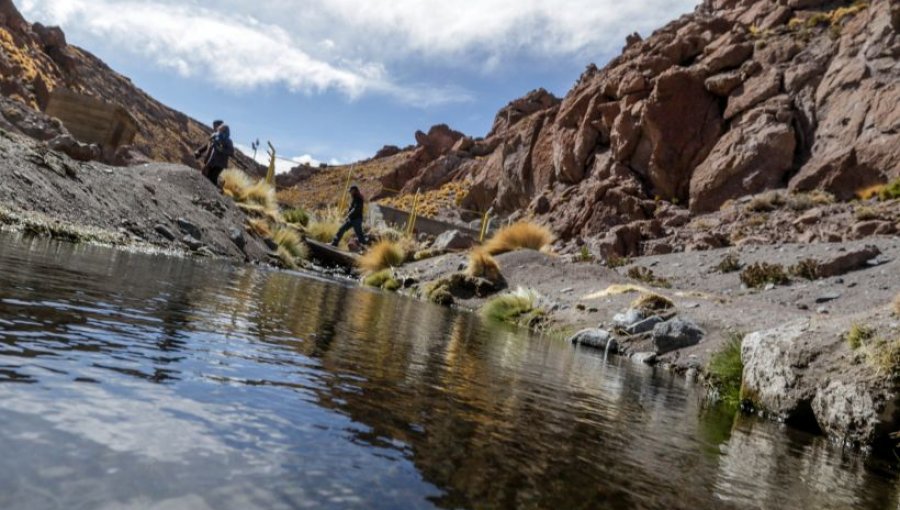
{"points": [[770, 286], [822, 310], [567, 290], [828, 297]]}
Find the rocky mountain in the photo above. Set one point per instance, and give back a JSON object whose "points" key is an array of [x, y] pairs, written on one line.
{"points": [[36, 60], [734, 99]]}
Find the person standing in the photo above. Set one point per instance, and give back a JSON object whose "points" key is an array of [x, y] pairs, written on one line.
{"points": [[354, 218], [221, 149], [202, 152]]}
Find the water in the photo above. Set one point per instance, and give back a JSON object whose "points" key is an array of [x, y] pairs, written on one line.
{"points": [[134, 381]]}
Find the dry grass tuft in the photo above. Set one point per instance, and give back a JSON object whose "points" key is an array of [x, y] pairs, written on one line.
{"points": [[296, 217], [730, 263], [858, 335], [234, 182], [518, 236], [760, 274], [652, 302], [866, 213], [288, 239], [806, 268], [383, 255], [768, 201], [520, 307], [383, 279], [896, 305], [647, 276], [260, 227], [615, 290], [483, 265]]}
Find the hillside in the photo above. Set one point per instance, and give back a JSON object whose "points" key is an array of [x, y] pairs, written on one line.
{"points": [[735, 99], [36, 60]]}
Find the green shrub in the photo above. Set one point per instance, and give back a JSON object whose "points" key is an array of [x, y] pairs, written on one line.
{"points": [[615, 261], [890, 191], [858, 335], [383, 279], [760, 274], [296, 217], [519, 307], [726, 371]]}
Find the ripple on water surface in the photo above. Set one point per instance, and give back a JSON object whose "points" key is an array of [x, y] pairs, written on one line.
{"points": [[135, 381]]}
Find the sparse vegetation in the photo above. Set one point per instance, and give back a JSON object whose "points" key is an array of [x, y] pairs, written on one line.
{"points": [[260, 227], [614, 261], [383, 255], [890, 191], [520, 307], [647, 276], [518, 236], [383, 279], [483, 265], [866, 213], [804, 201], [584, 255], [296, 217], [726, 370], [760, 274], [652, 302], [806, 268], [287, 238], [765, 202], [858, 335], [730, 263]]}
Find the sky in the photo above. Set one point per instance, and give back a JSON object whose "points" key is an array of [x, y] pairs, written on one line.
{"points": [[335, 80]]}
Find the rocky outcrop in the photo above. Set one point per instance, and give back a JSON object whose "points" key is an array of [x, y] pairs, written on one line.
{"points": [[732, 100], [36, 59]]}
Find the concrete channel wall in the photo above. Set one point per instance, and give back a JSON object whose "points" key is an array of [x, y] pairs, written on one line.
{"points": [[398, 219]]}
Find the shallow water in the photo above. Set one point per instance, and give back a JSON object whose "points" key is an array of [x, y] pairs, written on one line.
{"points": [[135, 381]]}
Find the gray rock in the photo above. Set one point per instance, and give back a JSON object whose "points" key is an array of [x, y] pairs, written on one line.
{"points": [[192, 242], [644, 357], [825, 298], [770, 286], [676, 334], [453, 240], [237, 237], [165, 232], [596, 338], [270, 244], [631, 317], [645, 325], [769, 372], [189, 228], [849, 411], [848, 261]]}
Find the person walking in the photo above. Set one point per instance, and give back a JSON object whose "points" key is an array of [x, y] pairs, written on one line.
{"points": [[354, 218], [221, 149]]}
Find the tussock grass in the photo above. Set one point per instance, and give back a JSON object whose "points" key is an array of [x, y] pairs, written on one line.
{"points": [[383, 255], [260, 227], [730, 263], [518, 236], [584, 255], [806, 268], [652, 302], [890, 191], [614, 261], [726, 371], [647, 276], [287, 260], [483, 265], [896, 305], [234, 182], [288, 239], [519, 307], [760, 274], [766, 202], [296, 217], [858, 335], [383, 279], [804, 201]]}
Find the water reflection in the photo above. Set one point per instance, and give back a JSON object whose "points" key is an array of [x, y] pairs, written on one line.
{"points": [[156, 381]]}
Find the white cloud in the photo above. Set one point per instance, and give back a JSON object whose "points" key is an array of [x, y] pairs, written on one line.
{"points": [[283, 164], [350, 45]]}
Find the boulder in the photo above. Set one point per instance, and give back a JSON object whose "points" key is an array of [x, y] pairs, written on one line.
{"points": [[452, 240], [770, 380], [753, 91], [387, 151], [676, 334], [596, 338], [629, 318], [845, 262], [645, 325], [872, 228], [439, 139], [189, 228], [76, 150]]}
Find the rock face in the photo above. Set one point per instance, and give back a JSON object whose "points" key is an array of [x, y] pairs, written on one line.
{"points": [[734, 99], [36, 60], [799, 373]]}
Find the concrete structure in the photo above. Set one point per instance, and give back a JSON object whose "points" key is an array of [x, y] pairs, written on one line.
{"points": [[398, 218], [91, 120]]}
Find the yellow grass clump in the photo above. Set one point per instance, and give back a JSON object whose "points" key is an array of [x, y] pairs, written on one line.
{"points": [[234, 182], [384, 255], [518, 236], [483, 265], [650, 301], [260, 227], [288, 239], [615, 290]]}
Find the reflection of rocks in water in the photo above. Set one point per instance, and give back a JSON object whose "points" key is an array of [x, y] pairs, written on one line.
{"points": [[760, 469]]}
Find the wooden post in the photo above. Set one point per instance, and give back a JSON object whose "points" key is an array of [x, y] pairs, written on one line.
{"points": [[270, 175], [411, 225], [343, 203]]}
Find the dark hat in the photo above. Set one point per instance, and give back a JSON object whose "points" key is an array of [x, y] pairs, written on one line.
{"points": [[217, 123], [354, 186]]}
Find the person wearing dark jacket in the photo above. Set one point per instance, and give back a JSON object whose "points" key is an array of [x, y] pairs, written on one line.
{"points": [[202, 152], [354, 218], [221, 149]]}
